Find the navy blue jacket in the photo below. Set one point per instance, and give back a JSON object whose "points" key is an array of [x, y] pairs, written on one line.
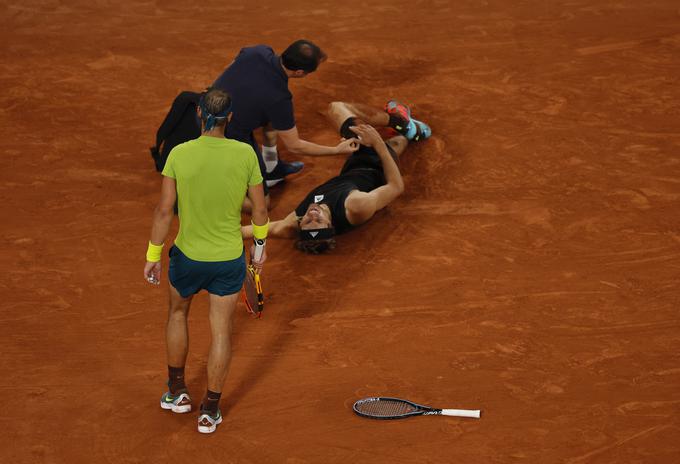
{"points": [[258, 86]]}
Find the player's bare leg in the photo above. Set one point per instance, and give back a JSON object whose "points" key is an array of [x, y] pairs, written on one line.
{"points": [[338, 112], [219, 357], [177, 340], [176, 331]]}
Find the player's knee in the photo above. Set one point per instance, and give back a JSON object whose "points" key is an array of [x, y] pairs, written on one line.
{"points": [[398, 144], [178, 313], [334, 107]]}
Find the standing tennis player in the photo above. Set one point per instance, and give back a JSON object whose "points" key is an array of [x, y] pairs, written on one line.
{"points": [[210, 175], [369, 180]]}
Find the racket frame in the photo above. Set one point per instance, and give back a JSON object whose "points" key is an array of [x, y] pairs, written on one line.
{"points": [[421, 410], [255, 311]]}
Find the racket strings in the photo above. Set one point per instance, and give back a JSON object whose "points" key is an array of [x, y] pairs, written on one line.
{"points": [[385, 408], [250, 292]]}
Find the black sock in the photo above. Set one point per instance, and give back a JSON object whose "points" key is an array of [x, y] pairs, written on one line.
{"points": [[211, 402], [176, 380]]}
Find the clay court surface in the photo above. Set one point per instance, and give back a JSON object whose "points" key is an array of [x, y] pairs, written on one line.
{"points": [[530, 270]]}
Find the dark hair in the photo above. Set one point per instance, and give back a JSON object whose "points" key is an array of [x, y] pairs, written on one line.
{"points": [[215, 101], [304, 55], [315, 247], [215, 106]]}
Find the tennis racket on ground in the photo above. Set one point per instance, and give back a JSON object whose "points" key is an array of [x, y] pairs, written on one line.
{"points": [[252, 285], [386, 408]]}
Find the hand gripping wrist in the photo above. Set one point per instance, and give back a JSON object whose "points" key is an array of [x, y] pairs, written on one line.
{"points": [[153, 252], [260, 232]]}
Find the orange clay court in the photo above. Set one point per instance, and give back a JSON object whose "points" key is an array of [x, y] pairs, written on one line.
{"points": [[530, 270]]}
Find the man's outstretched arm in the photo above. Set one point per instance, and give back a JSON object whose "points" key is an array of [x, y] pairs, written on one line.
{"points": [[284, 228], [294, 144]]}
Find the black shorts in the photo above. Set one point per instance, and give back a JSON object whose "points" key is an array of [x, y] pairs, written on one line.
{"points": [[365, 157]]}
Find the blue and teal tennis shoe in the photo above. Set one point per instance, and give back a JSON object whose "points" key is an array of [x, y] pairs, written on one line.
{"points": [[402, 122], [178, 403]]}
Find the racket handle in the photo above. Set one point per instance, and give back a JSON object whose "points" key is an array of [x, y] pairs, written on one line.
{"points": [[476, 413], [259, 249]]}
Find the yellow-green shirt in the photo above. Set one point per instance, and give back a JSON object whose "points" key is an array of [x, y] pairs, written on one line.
{"points": [[212, 175]]}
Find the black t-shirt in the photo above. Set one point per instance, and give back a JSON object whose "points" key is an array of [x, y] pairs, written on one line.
{"points": [[258, 86], [334, 192]]}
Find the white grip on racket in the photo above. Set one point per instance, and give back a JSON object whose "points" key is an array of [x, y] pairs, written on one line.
{"points": [[259, 249], [476, 413]]}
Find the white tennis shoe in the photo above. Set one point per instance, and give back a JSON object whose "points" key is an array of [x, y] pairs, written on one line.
{"points": [[176, 403], [208, 423]]}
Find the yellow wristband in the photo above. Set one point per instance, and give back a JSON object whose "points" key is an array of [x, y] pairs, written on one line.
{"points": [[260, 231], [153, 253]]}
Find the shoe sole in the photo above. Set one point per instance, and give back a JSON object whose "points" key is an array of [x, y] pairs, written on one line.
{"points": [[211, 429], [176, 409]]}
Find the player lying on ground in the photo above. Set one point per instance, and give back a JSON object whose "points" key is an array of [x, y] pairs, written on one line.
{"points": [[211, 175], [369, 180]]}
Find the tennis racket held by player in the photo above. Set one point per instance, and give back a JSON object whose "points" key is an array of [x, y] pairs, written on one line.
{"points": [[253, 295]]}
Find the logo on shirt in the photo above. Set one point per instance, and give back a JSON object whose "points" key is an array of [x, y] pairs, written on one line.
{"points": [[318, 198], [313, 234]]}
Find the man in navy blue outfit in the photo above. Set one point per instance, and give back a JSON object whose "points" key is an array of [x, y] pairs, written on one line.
{"points": [[257, 81]]}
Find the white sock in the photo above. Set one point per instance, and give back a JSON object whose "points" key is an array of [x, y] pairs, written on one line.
{"points": [[270, 156]]}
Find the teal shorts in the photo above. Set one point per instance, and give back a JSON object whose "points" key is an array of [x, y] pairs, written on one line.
{"points": [[218, 278]]}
